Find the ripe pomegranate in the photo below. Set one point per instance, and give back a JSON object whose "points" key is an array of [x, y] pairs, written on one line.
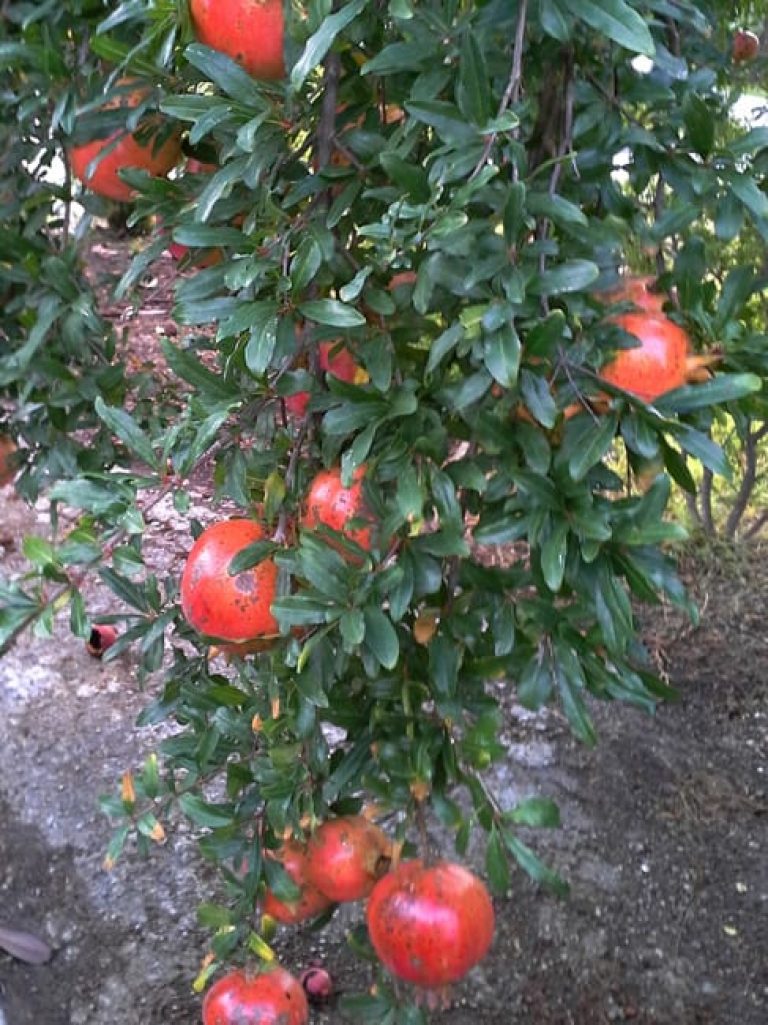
{"points": [[330, 503], [657, 365], [128, 152], [310, 903], [7, 465], [232, 608], [102, 636], [272, 997], [248, 31], [429, 924], [335, 361], [638, 290], [345, 857], [745, 46]]}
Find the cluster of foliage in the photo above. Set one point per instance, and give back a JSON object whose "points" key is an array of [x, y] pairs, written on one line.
{"points": [[445, 193]]}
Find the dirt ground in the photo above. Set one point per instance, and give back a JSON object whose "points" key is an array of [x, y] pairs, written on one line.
{"points": [[664, 835]]}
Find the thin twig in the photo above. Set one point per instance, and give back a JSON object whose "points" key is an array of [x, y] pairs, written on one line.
{"points": [[512, 91]]}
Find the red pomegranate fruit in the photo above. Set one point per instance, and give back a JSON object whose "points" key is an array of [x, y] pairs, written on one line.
{"points": [[272, 997], [310, 902], [657, 365], [248, 31], [332, 360], [345, 857], [431, 924], [230, 608], [128, 151], [333, 505], [745, 46]]}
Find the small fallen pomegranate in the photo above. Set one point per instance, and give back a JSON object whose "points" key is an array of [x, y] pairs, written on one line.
{"points": [[270, 997], [345, 857], [430, 924], [102, 637], [230, 608], [310, 902], [317, 984]]}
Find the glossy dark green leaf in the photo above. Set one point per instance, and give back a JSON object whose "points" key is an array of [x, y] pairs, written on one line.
{"points": [[533, 865], [537, 812], [225, 73], [585, 442], [473, 92], [616, 20], [570, 276], [331, 312], [381, 637], [501, 353], [320, 42], [496, 863], [125, 427], [202, 813], [716, 391]]}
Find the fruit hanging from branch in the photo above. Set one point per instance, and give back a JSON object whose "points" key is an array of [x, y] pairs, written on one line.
{"points": [[661, 362], [151, 148], [332, 359], [271, 997], [332, 504], [430, 924], [345, 857], [248, 31], [310, 902], [235, 608], [745, 46]]}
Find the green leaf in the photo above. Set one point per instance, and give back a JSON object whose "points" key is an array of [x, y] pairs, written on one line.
{"points": [[538, 398], [381, 637], [332, 313], [553, 556], [473, 91], [320, 42], [204, 814], [250, 556], [616, 20], [586, 442], [306, 263], [570, 276], [501, 353], [226, 74], [496, 863], [128, 431], [750, 194], [446, 118], [718, 390], [410, 177], [571, 685], [536, 812], [533, 865]]}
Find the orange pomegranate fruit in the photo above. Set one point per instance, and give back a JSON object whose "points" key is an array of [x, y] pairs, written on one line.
{"points": [[249, 31], [345, 857], [332, 504], [310, 902], [430, 924], [332, 360], [639, 290], [231, 608], [657, 365], [128, 151], [271, 997]]}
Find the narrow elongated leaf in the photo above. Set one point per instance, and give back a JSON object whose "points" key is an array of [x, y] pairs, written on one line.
{"points": [[332, 313], [616, 20], [533, 865], [226, 74], [320, 42], [718, 390], [586, 443], [381, 637], [121, 423]]}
